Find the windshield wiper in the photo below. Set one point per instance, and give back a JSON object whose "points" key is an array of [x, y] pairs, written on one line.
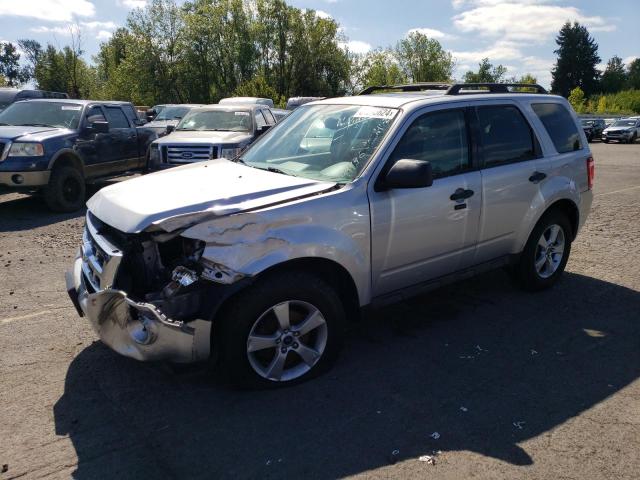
{"points": [[36, 125]]}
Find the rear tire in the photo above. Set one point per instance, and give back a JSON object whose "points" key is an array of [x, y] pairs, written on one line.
{"points": [[66, 190], [275, 310], [545, 254]]}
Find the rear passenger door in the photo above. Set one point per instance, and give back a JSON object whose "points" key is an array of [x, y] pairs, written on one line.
{"points": [[122, 154], [509, 151]]}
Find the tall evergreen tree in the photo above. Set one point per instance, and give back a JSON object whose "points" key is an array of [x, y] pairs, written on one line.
{"points": [[633, 74], [577, 59], [614, 77]]}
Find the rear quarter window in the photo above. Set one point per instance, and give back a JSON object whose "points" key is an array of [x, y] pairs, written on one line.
{"points": [[560, 126]]}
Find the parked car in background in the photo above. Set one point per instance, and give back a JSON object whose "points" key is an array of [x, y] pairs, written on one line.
{"points": [[169, 116], [154, 111], [624, 130], [260, 262], [279, 113], [10, 95], [247, 100], [212, 131], [55, 146], [295, 102], [593, 128]]}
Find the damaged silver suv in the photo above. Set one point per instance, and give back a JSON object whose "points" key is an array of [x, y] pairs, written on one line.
{"points": [[258, 263]]}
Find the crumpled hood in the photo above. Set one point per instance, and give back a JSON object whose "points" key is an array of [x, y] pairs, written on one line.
{"points": [[178, 197], [206, 138], [31, 133]]}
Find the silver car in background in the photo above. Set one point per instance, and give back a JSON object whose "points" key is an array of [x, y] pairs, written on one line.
{"points": [[258, 264]]}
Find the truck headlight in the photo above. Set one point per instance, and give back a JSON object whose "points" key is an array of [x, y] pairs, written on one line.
{"points": [[23, 149], [230, 152]]}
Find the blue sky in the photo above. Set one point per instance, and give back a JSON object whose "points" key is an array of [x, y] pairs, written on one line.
{"points": [[518, 33]]}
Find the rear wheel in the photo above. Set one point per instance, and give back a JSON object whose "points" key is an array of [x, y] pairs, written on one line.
{"points": [[546, 253], [66, 190], [283, 330]]}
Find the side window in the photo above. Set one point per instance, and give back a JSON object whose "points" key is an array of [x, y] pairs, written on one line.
{"points": [[560, 126], [269, 116], [116, 118], [260, 121], [440, 138], [505, 135], [95, 115]]}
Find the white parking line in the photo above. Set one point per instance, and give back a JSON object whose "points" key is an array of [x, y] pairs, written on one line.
{"points": [[617, 191], [6, 321]]}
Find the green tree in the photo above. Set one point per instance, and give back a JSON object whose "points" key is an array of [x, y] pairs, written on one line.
{"points": [[633, 74], [486, 73], [258, 87], [577, 100], [32, 51], [614, 77], [577, 60], [423, 59], [379, 67], [10, 69]]}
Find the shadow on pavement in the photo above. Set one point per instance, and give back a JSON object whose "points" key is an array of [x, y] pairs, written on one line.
{"points": [[520, 364], [25, 212]]}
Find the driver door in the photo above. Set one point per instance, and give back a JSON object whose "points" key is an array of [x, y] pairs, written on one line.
{"points": [[419, 234]]}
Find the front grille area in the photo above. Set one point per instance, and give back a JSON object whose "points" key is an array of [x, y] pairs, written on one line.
{"points": [[100, 258], [179, 154]]}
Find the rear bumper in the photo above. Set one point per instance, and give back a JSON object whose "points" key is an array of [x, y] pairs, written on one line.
{"points": [[136, 329], [25, 179], [586, 199]]}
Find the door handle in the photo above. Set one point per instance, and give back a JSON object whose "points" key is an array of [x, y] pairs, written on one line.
{"points": [[461, 194], [537, 177]]}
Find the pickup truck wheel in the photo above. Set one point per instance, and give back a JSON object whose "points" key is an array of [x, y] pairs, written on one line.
{"points": [[66, 190], [546, 253], [285, 329]]}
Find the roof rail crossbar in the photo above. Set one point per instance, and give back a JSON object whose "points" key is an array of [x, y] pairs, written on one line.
{"points": [[410, 87], [468, 88]]}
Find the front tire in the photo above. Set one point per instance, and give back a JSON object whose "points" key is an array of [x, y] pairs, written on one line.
{"points": [[66, 190], [545, 255], [283, 330]]}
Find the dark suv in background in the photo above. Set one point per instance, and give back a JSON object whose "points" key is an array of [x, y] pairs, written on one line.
{"points": [[593, 127], [11, 95]]}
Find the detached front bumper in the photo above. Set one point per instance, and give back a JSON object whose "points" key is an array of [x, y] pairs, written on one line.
{"points": [[135, 329]]}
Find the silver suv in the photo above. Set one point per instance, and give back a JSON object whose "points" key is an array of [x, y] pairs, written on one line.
{"points": [[258, 263]]}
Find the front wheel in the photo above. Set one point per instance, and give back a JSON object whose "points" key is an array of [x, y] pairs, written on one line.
{"points": [[545, 255], [66, 190], [283, 330]]}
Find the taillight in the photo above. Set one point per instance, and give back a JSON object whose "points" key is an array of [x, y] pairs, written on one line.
{"points": [[591, 172]]}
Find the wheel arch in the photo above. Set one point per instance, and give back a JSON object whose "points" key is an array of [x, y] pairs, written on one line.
{"points": [[67, 158]]}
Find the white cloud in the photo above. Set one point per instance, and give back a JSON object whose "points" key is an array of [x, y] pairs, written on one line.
{"points": [[323, 14], [521, 20], [356, 46], [628, 60], [104, 35], [64, 31], [432, 33], [132, 3], [96, 25], [52, 10], [502, 50]]}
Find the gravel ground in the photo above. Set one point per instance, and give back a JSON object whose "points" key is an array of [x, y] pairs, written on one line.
{"points": [[488, 381]]}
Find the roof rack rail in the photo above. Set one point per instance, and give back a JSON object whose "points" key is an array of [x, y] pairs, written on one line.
{"points": [[409, 87], [470, 88]]}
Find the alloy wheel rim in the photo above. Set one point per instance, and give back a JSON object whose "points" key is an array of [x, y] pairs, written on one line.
{"points": [[287, 341], [549, 251]]}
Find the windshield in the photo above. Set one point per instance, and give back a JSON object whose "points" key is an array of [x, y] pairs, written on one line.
{"points": [[222, 120], [323, 142], [172, 113], [625, 123], [42, 114]]}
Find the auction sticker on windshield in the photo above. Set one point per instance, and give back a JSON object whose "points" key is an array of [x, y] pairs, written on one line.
{"points": [[242, 114], [375, 112], [71, 107]]}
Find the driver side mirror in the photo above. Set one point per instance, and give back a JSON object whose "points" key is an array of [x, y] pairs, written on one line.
{"points": [[408, 173], [170, 128], [262, 129], [99, 127]]}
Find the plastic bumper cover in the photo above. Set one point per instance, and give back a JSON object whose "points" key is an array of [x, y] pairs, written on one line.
{"points": [[135, 329]]}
